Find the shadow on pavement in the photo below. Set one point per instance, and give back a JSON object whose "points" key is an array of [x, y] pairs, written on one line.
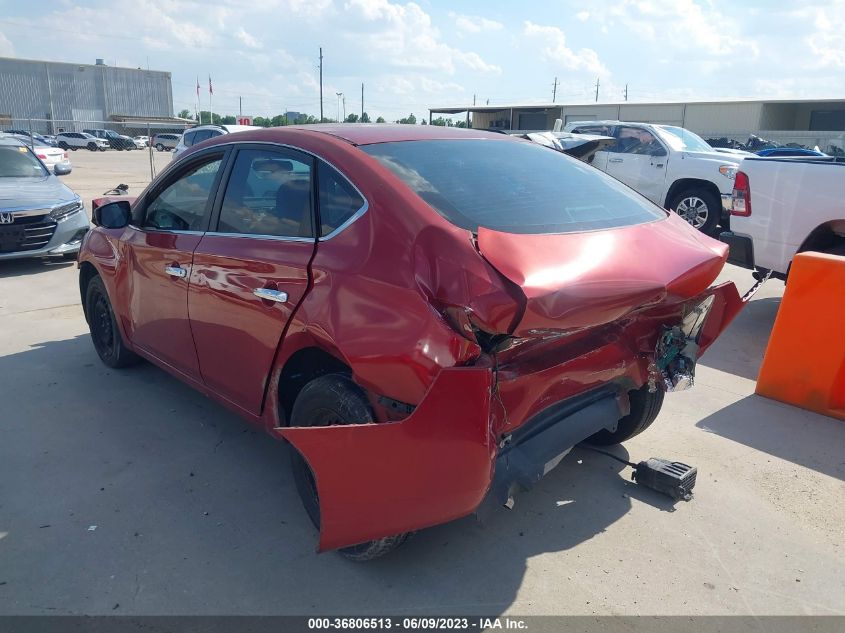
{"points": [[739, 350], [129, 488], [21, 267], [793, 434]]}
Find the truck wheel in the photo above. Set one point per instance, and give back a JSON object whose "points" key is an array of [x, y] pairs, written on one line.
{"points": [[104, 332], [644, 409], [699, 207], [327, 401]]}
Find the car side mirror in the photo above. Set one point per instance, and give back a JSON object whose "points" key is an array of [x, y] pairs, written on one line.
{"points": [[114, 215], [62, 169]]}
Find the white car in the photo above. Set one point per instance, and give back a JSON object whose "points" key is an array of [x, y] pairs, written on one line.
{"points": [[670, 166], [783, 206], [141, 141], [77, 140], [50, 156], [203, 133]]}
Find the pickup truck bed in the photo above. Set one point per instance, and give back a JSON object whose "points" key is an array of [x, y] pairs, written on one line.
{"points": [[793, 205]]}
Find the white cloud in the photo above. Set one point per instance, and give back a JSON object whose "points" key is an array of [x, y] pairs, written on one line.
{"points": [[6, 48], [475, 24], [583, 15], [246, 39], [826, 42], [557, 51], [402, 35], [684, 25]]}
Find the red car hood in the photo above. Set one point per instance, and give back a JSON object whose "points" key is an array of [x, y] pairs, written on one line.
{"points": [[578, 280]]}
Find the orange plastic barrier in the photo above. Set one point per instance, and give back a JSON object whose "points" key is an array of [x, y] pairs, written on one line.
{"points": [[804, 363]]}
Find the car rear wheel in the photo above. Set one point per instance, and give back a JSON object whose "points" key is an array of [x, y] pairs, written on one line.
{"points": [[327, 401], [644, 409], [699, 207], [104, 332], [92, 147], [160, 147]]}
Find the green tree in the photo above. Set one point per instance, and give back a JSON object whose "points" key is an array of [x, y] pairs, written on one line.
{"points": [[365, 118], [408, 120], [185, 114], [380, 120], [352, 118], [424, 122], [461, 123], [228, 120]]}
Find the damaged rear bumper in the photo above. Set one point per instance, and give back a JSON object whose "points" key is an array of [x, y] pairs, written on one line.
{"points": [[453, 452]]}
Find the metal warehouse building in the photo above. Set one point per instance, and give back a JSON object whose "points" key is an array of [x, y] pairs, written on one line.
{"points": [[56, 96], [802, 122]]}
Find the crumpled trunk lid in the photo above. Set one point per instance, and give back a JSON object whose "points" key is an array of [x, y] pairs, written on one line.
{"points": [[574, 281]]}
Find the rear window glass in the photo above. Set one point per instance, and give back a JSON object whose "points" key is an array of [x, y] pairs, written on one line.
{"points": [[513, 186]]}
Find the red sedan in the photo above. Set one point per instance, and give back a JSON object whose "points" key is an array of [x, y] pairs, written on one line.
{"points": [[432, 317]]}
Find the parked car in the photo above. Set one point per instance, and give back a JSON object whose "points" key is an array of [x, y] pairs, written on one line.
{"points": [[142, 141], [50, 156], [670, 166], [786, 206], [39, 215], [36, 137], [782, 152], [431, 316], [166, 141], [115, 140], [77, 140], [203, 133], [581, 146]]}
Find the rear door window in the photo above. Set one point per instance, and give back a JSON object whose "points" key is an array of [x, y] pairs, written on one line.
{"points": [[512, 186], [268, 194]]}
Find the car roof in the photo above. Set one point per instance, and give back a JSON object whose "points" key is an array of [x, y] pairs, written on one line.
{"points": [[11, 140], [369, 133]]}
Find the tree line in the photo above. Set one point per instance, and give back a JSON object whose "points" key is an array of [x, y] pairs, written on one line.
{"points": [[206, 118]]}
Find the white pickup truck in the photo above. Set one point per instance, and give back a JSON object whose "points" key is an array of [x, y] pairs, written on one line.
{"points": [[783, 206], [670, 166]]}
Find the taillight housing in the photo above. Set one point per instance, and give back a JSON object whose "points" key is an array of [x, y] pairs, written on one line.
{"points": [[741, 197], [65, 155], [42, 156]]}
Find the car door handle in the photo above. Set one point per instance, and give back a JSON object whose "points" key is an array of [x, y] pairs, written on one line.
{"points": [[614, 160], [279, 296], [176, 271], [658, 165]]}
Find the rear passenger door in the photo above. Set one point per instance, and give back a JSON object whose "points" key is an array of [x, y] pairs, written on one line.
{"points": [[251, 270]]}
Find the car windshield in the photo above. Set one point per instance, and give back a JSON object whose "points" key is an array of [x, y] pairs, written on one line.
{"points": [[512, 186], [682, 140], [18, 162]]}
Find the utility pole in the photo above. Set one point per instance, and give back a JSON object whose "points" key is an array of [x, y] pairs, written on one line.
{"points": [[597, 89], [362, 102], [240, 106], [344, 107], [473, 100], [339, 95], [321, 84], [554, 91], [626, 92]]}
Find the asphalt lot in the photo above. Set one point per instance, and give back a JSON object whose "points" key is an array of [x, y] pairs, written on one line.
{"points": [[125, 492]]}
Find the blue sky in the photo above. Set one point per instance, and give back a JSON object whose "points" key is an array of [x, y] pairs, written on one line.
{"points": [[412, 56]]}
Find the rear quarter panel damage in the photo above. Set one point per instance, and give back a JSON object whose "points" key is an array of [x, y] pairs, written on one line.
{"points": [[436, 465]]}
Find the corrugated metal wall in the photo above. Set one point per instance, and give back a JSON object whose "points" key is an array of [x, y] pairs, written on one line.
{"points": [[64, 92]]}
